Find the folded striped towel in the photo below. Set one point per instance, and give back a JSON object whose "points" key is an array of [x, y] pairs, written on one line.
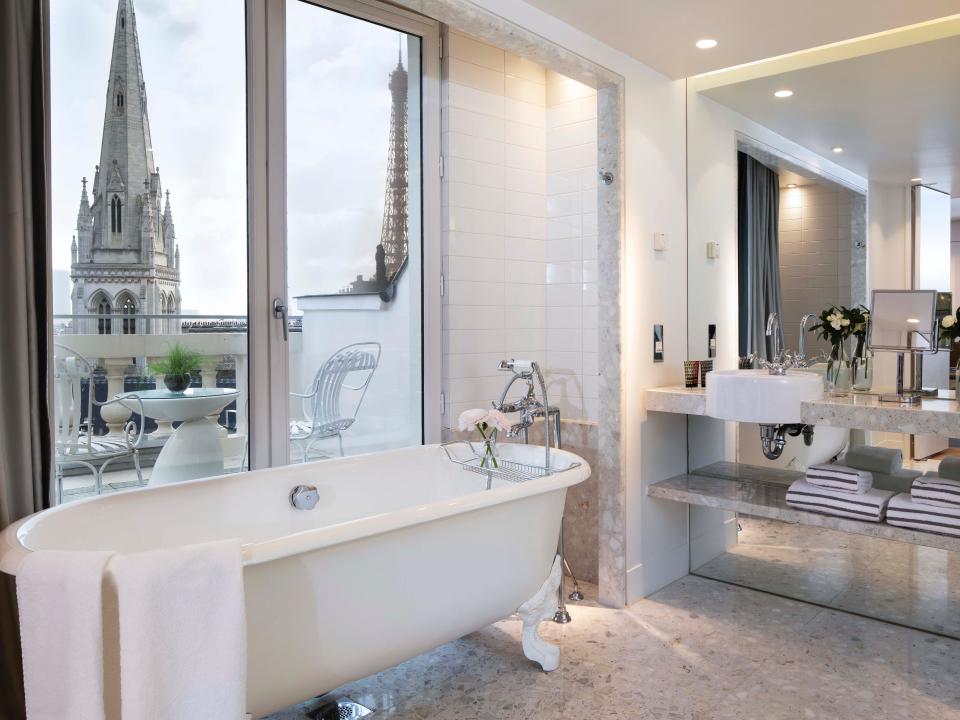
{"points": [[870, 505], [905, 512], [840, 477], [935, 490]]}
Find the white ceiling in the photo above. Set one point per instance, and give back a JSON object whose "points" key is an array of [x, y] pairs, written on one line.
{"points": [[895, 113], [662, 33]]}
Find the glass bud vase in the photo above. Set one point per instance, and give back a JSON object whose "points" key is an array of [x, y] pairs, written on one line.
{"points": [[838, 377], [488, 454], [861, 366]]}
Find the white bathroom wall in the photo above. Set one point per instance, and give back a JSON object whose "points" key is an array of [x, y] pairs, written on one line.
{"points": [[520, 221], [572, 247], [494, 215]]}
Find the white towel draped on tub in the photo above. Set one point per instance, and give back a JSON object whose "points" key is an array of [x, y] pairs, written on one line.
{"points": [[869, 506], [175, 617], [840, 477], [182, 632], [60, 597]]}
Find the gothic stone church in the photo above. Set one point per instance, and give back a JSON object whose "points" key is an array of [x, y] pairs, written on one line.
{"points": [[125, 259]]}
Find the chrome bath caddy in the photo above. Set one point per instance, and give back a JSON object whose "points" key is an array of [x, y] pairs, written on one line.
{"points": [[508, 470]]}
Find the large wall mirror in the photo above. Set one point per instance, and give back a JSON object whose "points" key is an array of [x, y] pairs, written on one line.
{"points": [[804, 194]]}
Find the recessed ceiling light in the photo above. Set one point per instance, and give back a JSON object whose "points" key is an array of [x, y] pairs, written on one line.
{"points": [[916, 180], [783, 93], [791, 185], [706, 43], [837, 149], [913, 321]]}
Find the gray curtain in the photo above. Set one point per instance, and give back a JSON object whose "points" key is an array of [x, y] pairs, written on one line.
{"points": [[25, 453], [758, 203]]}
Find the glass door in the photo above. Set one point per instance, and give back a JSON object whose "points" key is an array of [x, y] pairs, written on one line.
{"points": [[149, 267], [347, 281]]}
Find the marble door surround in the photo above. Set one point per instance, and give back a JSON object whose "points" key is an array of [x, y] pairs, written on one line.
{"points": [[466, 17]]}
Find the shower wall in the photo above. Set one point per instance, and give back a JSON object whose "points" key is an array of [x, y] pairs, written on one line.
{"points": [[520, 247], [572, 246]]}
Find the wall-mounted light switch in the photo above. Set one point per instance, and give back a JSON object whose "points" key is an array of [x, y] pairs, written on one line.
{"points": [[658, 343], [660, 242], [713, 250], [711, 340]]}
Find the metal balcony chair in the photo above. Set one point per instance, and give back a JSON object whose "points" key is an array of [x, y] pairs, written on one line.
{"points": [[323, 413], [74, 442]]}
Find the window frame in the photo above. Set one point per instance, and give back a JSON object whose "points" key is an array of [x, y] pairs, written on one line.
{"points": [[269, 382]]}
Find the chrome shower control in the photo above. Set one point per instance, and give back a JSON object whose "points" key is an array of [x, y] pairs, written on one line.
{"points": [[304, 497]]}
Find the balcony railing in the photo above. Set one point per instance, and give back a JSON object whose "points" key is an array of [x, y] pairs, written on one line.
{"points": [[123, 348]]}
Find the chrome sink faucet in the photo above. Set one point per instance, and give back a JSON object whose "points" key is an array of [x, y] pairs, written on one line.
{"points": [[784, 360], [803, 334], [775, 331]]}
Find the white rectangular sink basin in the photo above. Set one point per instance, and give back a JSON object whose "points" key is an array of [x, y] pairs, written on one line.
{"points": [[757, 396]]}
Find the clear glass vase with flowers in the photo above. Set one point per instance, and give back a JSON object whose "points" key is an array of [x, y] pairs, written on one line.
{"points": [[849, 362], [485, 422]]}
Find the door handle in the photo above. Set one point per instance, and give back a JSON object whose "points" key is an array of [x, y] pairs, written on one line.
{"points": [[280, 313]]}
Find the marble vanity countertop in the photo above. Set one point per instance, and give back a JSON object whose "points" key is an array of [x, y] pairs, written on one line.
{"points": [[718, 487], [677, 399], [931, 416]]}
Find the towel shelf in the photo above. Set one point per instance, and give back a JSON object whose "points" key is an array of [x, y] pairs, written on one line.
{"points": [[761, 492]]}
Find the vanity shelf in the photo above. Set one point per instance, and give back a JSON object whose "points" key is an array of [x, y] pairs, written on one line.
{"points": [[677, 399], [761, 492], [931, 416]]}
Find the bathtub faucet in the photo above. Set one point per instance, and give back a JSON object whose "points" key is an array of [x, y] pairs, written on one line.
{"points": [[528, 406]]}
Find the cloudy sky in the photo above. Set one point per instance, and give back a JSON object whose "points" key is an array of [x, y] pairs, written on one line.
{"points": [[194, 67]]}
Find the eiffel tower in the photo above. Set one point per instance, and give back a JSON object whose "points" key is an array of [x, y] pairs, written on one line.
{"points": [[393, 234]]}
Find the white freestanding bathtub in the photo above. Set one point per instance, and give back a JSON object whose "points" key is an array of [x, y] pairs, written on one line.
{"points": [[405, 551]]}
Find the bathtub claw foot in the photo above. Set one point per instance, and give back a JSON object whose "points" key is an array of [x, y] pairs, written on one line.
{"points": [[533, 612]]}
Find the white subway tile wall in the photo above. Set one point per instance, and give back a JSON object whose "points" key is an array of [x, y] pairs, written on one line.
{"points": [[815, 266], [519, 221]]}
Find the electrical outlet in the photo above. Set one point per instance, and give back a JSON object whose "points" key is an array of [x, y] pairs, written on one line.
{"points": [[660, 242], [658, 343], [711, 340]]}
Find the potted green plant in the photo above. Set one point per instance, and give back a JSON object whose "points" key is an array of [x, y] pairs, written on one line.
{"points": [[177, 368]]}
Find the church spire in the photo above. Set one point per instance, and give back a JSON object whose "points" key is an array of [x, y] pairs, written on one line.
{"points": [[125, 240], [85, 221], [84, 200], [169, 233], [126, 150]]}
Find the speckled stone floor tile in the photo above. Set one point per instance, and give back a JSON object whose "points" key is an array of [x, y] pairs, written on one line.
{"points": [[696, 650]]}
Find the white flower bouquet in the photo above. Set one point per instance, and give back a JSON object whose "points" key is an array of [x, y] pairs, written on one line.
{"points": [[486, 422]]}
